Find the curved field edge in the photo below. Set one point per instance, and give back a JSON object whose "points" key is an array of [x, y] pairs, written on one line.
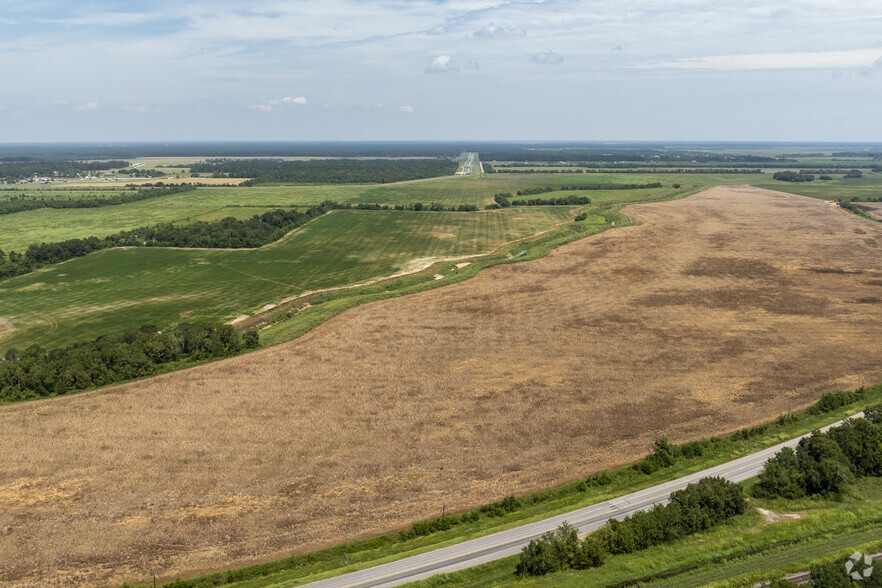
{"points": [[330, 562], [324, 305], [296, 317], [291, 320]]}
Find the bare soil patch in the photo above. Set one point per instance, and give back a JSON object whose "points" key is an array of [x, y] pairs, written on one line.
{"points": [[871, 208], [6, 327], [712, 313], [774, 517]]}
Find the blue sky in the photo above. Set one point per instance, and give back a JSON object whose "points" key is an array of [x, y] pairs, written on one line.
{"points": [[441, 70]]}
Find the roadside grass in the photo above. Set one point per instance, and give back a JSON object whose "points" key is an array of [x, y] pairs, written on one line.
{"points": [[747, 534], [746, 550], [115, 290]]}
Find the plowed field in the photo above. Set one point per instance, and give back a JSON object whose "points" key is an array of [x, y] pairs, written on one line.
{"points": [[713, 313]]}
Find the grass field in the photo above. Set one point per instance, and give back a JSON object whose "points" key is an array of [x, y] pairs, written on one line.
{"points": [[114, 290], [837, 189], [712, 313]]}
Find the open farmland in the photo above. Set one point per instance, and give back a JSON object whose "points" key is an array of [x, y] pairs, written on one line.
{"points": [[869, 186], [118, 289], [21, 229], [713, 313]]}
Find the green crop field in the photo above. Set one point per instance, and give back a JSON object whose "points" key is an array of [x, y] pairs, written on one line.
{"points": [[21, 229], [839, 188], [117, 289]]}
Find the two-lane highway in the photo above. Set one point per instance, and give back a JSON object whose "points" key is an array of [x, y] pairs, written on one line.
{"points": [[510, 542]]}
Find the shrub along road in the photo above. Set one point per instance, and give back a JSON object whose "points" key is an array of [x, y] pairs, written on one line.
{"points": [[512, 541]]}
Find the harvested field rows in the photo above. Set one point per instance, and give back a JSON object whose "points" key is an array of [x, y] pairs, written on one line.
{"points": [[715, 312]]}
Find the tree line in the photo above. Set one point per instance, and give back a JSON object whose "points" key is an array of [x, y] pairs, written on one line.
{"points": [[26, 202], [325, 171], [636, 169], [585, 187], [39, 373], [697, 507], [14, 171]]}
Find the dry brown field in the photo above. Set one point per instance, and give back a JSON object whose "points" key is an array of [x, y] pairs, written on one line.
{"points": [[712, 313], [871, 208]]}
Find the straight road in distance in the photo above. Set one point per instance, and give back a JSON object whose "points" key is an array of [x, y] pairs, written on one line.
{"points": [[510, 542]]}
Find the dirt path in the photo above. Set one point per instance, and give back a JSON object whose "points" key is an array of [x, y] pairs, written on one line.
{"points": [[713, 313]]}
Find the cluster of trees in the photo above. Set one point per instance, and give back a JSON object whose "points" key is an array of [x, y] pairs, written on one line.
{"points": [[141, 172], [227, 233], [503, 200], [697, 507], [26, 202], [326, 171], [825, 463], [38, 373], [13, 171], [791, 176]]}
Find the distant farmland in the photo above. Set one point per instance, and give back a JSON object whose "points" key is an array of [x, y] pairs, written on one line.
{"points": [[715, 312]]}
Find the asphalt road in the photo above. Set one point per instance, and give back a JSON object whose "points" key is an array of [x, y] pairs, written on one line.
{"points": [[510, 542]]}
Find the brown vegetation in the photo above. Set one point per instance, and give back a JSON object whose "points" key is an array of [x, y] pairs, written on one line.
{"points": [[871, 208], [713, 313]]}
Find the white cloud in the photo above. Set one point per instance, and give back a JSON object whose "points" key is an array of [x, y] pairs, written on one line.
{"points": [[761, 61], [491, 30], [87, 106], [547, 57], [878, 63], [299, 100], [406, 108], [271, 105], [441, 64]]}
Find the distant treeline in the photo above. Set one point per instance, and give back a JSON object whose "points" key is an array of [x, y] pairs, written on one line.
{"points": [[869, 154], [853, 173], [547, 189], [225, 233], [588, 156], [14, 171], [825, 463], [38, 373], [325, 171], [28, 202], [627, 169]]}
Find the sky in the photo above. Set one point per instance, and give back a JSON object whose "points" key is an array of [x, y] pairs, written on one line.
{"points": [[301, 70]]}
